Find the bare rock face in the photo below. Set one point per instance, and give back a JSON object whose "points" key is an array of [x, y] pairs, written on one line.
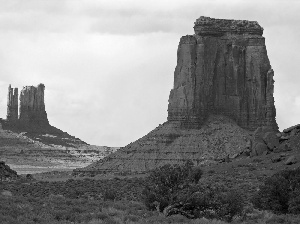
{"points": [[223, 69], [223, 90], [32, 105], [12, 104]]}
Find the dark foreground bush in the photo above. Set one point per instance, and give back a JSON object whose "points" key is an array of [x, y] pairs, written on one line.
{"points": [[165, 182], [174, 189], [280, 193]]}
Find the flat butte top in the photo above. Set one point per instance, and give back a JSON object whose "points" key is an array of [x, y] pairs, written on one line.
{"points": [[218, 27]]}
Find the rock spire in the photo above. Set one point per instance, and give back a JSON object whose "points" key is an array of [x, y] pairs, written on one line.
{"points": [[12, 104], [223, 69], [32, 105]]}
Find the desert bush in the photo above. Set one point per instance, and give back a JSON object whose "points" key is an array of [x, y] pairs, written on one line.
{"points": [[280, 193], [207, 221], [257, 160], [165, 182], [213, 201], [174, 189], [109, 195], [294, 201], [131, 219]]}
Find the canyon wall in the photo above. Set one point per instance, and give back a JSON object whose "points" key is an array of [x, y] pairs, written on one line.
{"points": [[223, 69]]}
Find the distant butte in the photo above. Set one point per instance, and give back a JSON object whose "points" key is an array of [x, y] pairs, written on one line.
{"points": [[31, 117], [223, 91], [32, 105]]}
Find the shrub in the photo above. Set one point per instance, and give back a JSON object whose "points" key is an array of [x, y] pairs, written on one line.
{"points": [[213, 202], [174, 189], [280, 193], [294, 202], [228, 205], [109, 195], [165, 182]]}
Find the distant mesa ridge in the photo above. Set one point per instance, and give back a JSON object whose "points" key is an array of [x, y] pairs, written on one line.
{"points": [[32, 105]]}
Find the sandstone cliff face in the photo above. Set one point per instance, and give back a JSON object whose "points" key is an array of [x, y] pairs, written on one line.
{"points": [[32, 105], [223, 90], [12, 104], [223, 69]]}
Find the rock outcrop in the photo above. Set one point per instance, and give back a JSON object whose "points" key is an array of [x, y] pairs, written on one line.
{"points": [[6, 173], [264, 140], [12, 104], [289, 139], [32, 105], [223, 91], [223, 69]]}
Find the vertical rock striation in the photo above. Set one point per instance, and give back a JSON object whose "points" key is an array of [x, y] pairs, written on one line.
{"points": [[32, 105], [12, 104], [223, 90], [223, 69]]}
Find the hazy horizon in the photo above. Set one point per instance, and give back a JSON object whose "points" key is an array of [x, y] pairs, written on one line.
{"points": [[108, 66]]}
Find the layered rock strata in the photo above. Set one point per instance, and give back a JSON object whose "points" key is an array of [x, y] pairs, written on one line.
{"points": [[219, 138], [223, 90], [32, 105], [12, 104], [223, 69]]}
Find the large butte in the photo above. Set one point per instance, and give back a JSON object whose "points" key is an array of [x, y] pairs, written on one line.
{"points": [[223, 90]]}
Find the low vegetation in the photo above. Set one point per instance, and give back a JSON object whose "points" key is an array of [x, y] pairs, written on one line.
{"points": [[280, 193], [175, 189], [170, 194]]}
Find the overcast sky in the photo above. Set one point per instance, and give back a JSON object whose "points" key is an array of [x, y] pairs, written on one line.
{"points": [[108, 65]]}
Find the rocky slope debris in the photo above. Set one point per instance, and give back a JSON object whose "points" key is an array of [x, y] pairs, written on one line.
{"points": [[289, 139], [219, 138], [264, 140]]}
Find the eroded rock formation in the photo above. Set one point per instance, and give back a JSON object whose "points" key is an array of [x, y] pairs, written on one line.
{"points": [[32, 105], [223, 69], [6, 173], [219, 138], [12, 104], [223, 91]]}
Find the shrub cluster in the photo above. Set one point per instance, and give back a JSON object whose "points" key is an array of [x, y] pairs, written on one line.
{"points": [[280, 193], [175, 189]]}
